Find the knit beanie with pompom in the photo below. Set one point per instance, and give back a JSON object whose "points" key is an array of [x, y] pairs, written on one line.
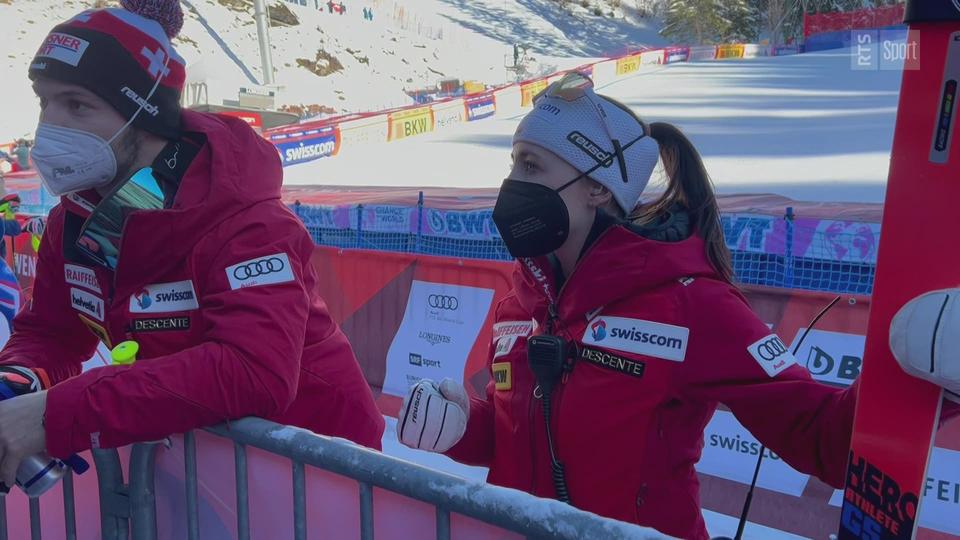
{"points": [[123, 55]]}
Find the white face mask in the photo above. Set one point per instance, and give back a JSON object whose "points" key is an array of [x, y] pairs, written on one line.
{"points": [[71, 160]]}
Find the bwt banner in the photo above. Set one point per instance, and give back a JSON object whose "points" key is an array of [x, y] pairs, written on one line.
{"points": [[460, 224], [480, 107], [410, 123], [308, 145], [529, 90], [628, 65], [469, 225]]}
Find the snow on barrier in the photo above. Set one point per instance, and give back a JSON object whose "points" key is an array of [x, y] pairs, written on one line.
{"points": [[286, 482]]}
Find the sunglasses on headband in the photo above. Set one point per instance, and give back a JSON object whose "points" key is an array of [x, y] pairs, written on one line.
{"points": [[575, 85]]}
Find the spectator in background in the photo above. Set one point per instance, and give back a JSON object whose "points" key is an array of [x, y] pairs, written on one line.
{"points": [[22, 153], [343, 9], [330, 6], [9, 206]]}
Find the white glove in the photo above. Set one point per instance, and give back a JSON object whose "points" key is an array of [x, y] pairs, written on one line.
{"points": [[925, 339], [433, 417]]}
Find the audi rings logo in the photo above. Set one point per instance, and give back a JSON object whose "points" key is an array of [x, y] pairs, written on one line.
{"points": [[439, 301], [257, 268], [771, 349]]}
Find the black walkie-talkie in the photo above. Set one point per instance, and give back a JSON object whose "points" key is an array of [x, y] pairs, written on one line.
{"points": [[547, 356]]}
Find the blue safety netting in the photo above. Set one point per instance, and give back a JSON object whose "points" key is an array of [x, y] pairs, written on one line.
{"points": [[820, 260]]}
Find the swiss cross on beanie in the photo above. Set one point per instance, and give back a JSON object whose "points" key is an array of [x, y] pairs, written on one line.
{"points": [[574, 130], [119, 54]]}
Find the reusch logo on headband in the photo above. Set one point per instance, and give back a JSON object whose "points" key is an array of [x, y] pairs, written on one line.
{"points": [[590, 148]]}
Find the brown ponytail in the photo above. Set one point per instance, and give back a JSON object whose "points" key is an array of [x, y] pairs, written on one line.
{"points": [[689, 187]]}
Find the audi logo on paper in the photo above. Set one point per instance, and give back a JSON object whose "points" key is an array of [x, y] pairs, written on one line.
{"points": [[772, 355], [258, 268], [439, 301]]}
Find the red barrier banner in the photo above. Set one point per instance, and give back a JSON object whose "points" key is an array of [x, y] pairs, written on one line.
{"points": [[820, 23]]}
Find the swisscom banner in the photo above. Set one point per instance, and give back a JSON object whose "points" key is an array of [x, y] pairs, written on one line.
{"points": [[439, 328]]}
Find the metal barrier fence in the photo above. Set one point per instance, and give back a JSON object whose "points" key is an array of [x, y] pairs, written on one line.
{"points": [[843, 261], [128, 510]]}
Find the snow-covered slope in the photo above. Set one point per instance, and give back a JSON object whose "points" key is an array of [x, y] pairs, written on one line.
{"points": [[807, 127], [410, 44]]}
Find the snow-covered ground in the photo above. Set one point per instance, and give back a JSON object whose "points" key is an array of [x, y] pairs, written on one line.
{"points": [[807, 127], [410, 44]]}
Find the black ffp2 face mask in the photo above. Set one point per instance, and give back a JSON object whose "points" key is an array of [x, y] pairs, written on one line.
{"points": [[532, 219]]}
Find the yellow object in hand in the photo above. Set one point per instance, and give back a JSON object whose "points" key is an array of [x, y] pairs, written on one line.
{"points": [[125, 353], [35, 242]]}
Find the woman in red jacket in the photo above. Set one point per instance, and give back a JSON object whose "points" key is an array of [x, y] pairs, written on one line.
{"points": [[623, 331]]}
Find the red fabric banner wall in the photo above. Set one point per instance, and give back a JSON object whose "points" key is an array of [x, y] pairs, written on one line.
{"points": [[820, 23]]}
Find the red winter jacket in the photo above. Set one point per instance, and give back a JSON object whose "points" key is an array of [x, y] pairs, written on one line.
{"points": [[660, 340], [217, 342]]}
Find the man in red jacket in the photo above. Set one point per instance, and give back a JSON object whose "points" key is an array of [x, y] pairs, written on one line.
{"points": [[170, 233]]}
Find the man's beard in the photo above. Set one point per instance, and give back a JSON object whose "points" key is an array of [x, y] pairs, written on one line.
{"points": [[128, 152]]}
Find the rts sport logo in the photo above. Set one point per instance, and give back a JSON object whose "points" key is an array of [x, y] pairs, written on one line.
{"points": [[143, 299], [599, 330]]}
